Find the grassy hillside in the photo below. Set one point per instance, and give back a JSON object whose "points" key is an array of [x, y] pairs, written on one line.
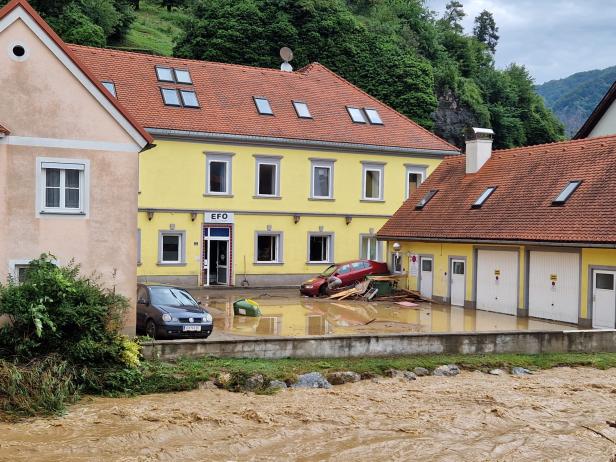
{"points": [[573, 98], [154, 30]]}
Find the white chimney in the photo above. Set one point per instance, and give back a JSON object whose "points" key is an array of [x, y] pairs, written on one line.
{"points": [[478, 148]]}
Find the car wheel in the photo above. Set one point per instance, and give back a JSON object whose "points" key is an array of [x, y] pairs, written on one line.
{"points": [[150, 329], [323, 290]]}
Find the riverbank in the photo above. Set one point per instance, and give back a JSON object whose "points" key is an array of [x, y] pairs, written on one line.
{"points": [[557, 414]]}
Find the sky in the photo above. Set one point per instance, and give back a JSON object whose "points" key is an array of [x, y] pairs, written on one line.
{"points": [[552, 38]]}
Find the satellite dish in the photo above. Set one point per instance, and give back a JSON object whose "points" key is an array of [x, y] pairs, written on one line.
{"points": [[286, 54]]}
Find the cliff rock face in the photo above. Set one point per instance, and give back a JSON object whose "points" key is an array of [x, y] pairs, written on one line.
{"points": [[451, 118]]}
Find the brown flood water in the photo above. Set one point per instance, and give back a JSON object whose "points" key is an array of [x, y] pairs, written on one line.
{"points": [[287, 314], [471, 417]]}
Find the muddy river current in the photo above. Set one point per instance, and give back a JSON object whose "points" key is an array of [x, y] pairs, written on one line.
{"points": [[558, 414]]}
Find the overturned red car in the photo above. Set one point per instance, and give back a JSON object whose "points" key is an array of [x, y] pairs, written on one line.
{"points": [[349, 273]]}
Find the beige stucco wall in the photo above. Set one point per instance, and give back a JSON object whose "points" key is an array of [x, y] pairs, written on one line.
{"points": [[42, 99], [607, 123]]}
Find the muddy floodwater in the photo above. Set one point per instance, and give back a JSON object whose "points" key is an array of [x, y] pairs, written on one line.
{"points": [[555, 415], [285, 313]]}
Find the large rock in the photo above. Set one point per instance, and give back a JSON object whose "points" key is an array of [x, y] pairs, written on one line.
{"points": [[222, 379], [254, 382], [342, 377], [397, 374], [277, 384], [448, 370], [421, 371], [311, 380]]}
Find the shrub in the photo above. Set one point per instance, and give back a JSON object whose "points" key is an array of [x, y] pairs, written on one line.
{"points": [[41, 387], [57, 311]]}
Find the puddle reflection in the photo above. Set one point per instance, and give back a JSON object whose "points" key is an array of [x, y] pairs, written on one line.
{"points": [[302, 317]]}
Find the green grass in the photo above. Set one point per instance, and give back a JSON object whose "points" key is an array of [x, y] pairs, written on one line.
{"points": [[154, 30], [186, 374]]}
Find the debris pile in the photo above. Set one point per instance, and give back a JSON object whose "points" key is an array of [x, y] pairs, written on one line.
{"points": [[382, 288]]}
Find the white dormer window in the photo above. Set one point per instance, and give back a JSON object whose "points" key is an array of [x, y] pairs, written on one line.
{"points": [[357, 115]]}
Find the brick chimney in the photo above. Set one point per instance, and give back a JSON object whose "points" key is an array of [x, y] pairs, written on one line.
{"points": [[478, 148]]}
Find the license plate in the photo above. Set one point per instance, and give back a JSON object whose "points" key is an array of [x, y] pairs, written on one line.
{"points": [[191, 328]]}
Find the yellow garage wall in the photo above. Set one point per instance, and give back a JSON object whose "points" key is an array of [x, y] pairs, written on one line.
{"points": [[172, 178], [442, 252], [590, 258]]}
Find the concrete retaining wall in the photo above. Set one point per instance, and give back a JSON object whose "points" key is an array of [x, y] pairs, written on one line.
{"points": [[352, 346]]}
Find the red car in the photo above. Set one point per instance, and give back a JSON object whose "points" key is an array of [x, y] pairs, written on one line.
{"points": [[349, 273]]}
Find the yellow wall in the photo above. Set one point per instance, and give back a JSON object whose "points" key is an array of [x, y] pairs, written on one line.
{"points": [[593, 258], [173, 177]]}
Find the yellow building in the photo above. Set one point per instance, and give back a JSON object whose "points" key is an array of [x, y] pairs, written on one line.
{"points": [[527, 231], [261, 176]]}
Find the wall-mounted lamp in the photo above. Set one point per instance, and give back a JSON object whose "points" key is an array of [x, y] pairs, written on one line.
{"points": [[193, 216], [348, 220], [150, 215], [296, 219]]}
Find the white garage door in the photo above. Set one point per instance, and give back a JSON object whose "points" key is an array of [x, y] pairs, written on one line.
{"points": [[497, 281], [554, 286]]}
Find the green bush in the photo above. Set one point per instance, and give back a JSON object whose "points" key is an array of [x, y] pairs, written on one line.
{"points": [[57, 313], [41, 387]]}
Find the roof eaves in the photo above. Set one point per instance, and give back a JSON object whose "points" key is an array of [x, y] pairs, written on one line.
{"points": [[187, 134], [597, 113]]}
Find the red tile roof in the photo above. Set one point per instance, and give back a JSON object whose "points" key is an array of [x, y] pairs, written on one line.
{"points": [[13, 4], [226, 91], [528, 180], [597, 113], [4, 131]]}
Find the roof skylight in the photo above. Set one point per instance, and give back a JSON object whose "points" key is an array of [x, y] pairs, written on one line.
{"points": [[110, 86], [164, 74], [566, 193], [373, 116], [170, 96], [263, 106], [302, 110], [424, 200], [183, 76], [484, 197], [357, 115], [189, 98]]}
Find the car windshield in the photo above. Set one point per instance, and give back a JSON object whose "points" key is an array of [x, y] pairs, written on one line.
{"points": [[329, 271], [171, 296]]}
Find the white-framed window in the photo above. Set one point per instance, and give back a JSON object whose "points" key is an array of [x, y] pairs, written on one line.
{"points": [[320, 247], [218, 174], [357, 115], [370, 248], [171, 97], [267, 176], [268, 247], [322, 179], [414, 176], [63, 186], [164, 74], [263, 106], [182, 76], [189, 98], [110, 86], [373, 116], [372, 182], [171, 247]]}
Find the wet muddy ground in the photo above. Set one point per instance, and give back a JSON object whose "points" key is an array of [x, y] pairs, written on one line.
{"points": [[286, 313], [555, 415]]}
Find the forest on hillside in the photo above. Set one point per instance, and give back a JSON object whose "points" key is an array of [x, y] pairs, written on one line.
{"points": [[420, 62], [575, 97]]}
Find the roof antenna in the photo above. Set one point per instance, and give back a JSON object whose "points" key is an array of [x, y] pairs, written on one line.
{"points": [[287, 55]]}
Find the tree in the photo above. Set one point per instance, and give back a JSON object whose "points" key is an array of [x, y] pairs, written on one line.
{"points": [[169, 4], [485, 30], [454, 14]]}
